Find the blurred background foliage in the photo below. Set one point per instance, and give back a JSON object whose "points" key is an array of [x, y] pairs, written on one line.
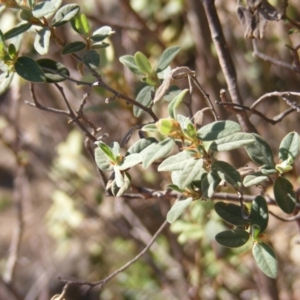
{"points": [[73, 230]]}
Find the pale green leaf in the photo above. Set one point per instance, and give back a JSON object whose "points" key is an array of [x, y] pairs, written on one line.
{"points": [[217, 130], [177, 209], [265, 259]]}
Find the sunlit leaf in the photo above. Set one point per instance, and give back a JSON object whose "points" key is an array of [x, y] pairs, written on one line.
{"points": [[65, 14], [43, 8], [289, 147], [129, 62], [130, 161], [142, 63], [141, 144], [176, 162], [190, 172], [217, 130], [157, 151], [231, 142], [254, 179], [177, 209], [166, 57], [265, 259], [41, 41], [144, 97], [173, 105], [81, 23], [52, 70]]}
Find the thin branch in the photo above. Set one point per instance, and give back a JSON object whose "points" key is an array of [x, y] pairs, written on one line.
{"points": [[148, 110], [36, 104], [290, 219], [226, 62], [275, 94], [271, 60], [104, 281], [233, 108]]}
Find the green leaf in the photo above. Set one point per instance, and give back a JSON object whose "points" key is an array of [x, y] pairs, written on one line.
{"points": [[176, 162], [259, 213], [100, 45], [177, 209], [43, 8], [231, 142], [141, 144], [102, 33], [232, 238], [65, 14], [227, 173], [166, 57], [130, 161], [107, 151], [150, 128], [190, 172], [104, 30], [16, 30], [41, 41], [12, 51], [268, 170], [209, 184], [289, 147], [265, 259], [129, 62], [5, 80], [142, 63], [81, 23], [175, 103], [231, 213], [175, 188], [31, 3], [26, 15], [217, 130], [102, 161], [144, 97], [29, 69], [157, 151], [284, 195], [91, 58], [260, 152], [73, 47], [254, 179], [52, 70]]}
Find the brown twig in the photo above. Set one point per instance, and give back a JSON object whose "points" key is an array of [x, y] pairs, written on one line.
{"points": [[226, 62], [290, 219], [272, 60], [103, 282]]}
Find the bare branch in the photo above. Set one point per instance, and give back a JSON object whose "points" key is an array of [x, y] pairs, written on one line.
{"points": [[104, 281], [226, 62], [272, 60]]}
